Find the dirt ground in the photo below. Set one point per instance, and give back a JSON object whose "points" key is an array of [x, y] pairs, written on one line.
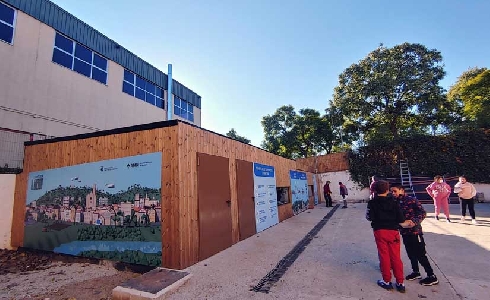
{"points": [[30, 274]]}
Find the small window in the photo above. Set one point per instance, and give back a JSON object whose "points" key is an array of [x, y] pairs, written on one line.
{"points": [[62, 58], [159, 103], [140, 94], [150, 98], [63, 43], [140, 82], [7, 20], [143, 89], [128, 76], [82, 67], [79, 59], [83, 53], [100, 62], [150, 87], [99, 75], [128, 88], [282, 195], [159, 92]]}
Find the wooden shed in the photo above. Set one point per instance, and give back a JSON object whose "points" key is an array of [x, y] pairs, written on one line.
{"points": [[207, 190]]}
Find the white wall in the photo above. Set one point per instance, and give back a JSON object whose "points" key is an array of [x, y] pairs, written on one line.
{"points": [[7, 187], [483, 188], [39, 96], [356, 193]]}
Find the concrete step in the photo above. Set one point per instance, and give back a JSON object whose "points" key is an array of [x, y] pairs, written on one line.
{"points": [[152, 285]]}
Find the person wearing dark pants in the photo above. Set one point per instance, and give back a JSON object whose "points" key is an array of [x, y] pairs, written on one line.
{"points": [[413, 238], [466, 192], [327, 194], [470, 203]]}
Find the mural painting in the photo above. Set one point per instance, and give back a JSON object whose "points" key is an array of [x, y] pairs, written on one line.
{"points": [[299, 191], [108, 209], [265, 193]]}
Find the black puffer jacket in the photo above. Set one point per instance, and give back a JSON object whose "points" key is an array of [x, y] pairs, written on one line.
{"points": [[384, 213]]}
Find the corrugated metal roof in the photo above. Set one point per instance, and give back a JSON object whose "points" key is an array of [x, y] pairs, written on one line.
{"points": [[54, 16]]}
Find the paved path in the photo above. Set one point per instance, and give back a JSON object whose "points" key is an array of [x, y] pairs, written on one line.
{"points": [[341, 261]]}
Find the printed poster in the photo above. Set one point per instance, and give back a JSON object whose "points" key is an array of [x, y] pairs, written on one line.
{"points": [[265, 193], [107, 209], [315, 189], [299, 191]]}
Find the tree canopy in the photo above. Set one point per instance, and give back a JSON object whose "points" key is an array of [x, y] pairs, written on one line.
{"points": [[295, 135], [471, 93], [392, 92], [234, 135]]}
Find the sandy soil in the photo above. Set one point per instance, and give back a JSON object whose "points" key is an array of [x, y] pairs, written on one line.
{"points": [[27, 274]]}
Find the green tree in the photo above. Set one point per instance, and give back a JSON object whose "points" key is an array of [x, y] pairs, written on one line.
{"points": [[295, 135], [471, 93], [233, 134], [392, 92]]}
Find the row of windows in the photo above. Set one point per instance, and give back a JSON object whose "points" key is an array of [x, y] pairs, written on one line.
{"points": [[82, 60], [7, 23], [183, 109], [144, 90]]}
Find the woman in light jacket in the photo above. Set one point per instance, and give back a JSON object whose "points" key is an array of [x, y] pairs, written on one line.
{"points": [[466, 192], [440, 191]]}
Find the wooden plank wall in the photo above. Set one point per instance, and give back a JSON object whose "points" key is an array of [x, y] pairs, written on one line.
{"points": [[193, 140], [179, 145], [67, 153]]}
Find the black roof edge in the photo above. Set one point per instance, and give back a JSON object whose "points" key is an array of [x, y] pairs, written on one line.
{"points": [[141, 127]]}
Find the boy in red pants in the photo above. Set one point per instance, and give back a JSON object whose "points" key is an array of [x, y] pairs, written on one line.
{"points": [[386, 217]]}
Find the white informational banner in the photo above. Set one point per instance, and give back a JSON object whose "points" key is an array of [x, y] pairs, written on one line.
{"points": [[299, 191], [315, 189], [265, 193]]}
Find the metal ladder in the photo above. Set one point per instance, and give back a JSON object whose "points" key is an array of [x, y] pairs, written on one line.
{"points": [[406, 177]]}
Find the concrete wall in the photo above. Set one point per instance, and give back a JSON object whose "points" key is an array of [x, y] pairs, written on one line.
{"points": [[356, 193], [483, 188], [7, 187], [39, 96]]}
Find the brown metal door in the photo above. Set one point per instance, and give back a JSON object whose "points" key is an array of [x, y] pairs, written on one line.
{"points": [[246, 201], [214, 198]]}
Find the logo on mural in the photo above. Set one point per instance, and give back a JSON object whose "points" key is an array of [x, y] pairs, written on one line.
{"points": [[86, 210]]}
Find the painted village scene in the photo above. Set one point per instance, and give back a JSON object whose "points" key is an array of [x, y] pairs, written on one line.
{"points": [[109, 210]]}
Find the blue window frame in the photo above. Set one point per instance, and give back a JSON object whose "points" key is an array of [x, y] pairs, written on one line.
{"points": [[183, 109], [7, 23], [79, 58], [142, 89]]}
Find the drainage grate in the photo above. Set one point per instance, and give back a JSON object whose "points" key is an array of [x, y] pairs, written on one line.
{"points": [[275, 274]]}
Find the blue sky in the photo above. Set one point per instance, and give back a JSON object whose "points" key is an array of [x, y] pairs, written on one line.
{"points": [[247, 58], [115, 172]]}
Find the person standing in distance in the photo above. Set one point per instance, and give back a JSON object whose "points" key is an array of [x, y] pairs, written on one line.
{"points": [[440, 191], [466, 192], [327, 194], [343, 193]]}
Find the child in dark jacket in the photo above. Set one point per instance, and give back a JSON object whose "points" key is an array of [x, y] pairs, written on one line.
{"points": [[413, 238], [386, 217]]}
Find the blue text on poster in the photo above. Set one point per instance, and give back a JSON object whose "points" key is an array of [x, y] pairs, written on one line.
{"points": [[265, 193]]}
